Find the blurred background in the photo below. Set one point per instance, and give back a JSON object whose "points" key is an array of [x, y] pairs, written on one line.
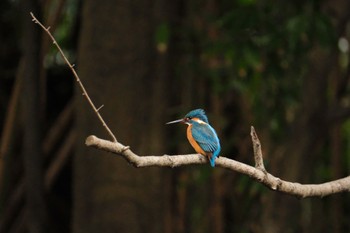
{"points": [[282, 66]]}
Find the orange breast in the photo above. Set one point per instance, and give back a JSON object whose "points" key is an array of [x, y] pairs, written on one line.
{"points": [[193, 142]]}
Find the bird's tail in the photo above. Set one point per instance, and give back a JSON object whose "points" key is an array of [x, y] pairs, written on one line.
{"points": [[212, 158]]}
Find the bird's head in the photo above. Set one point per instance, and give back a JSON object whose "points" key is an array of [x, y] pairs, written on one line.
{"points": [[197, 115]]}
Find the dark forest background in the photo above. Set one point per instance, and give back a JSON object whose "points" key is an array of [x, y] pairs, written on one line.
{"points": [[282, 66]]}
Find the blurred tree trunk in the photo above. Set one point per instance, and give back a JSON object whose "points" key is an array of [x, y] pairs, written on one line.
{"points": [[283, 212], [121, 69], [297, 161], [36, 208]]}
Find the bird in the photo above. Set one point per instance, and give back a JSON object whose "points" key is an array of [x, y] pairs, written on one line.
{"points": [[200, 134]]}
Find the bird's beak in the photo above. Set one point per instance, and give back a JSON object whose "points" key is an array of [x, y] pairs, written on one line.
{"points": [[176, 121]]}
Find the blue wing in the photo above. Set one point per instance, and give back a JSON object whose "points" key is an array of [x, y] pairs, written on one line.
{"points": [[207, 139]]}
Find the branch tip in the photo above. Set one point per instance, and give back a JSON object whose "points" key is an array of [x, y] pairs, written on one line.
{"points": [[253, 133], [258, 158], [90, 140], [100, 107]]}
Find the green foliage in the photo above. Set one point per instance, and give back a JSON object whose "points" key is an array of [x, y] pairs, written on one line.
{"points": [[68, 20], [64, 33], [261, 52], [162, 35]]}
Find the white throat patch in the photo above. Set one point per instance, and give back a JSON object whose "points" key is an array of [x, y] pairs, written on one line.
{"points": [[199, 121]]}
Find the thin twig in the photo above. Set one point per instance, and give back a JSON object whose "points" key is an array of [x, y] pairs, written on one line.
{"points": [[71, 66], [100, 107]]}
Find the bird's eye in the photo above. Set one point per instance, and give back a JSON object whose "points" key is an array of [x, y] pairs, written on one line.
{"points": [[188, 118]]}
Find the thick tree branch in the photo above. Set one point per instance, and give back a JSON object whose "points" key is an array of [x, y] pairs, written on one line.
{"points": [[258, 172]]}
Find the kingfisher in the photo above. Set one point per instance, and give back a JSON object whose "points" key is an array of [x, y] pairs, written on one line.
{"points": [[201, 135]]}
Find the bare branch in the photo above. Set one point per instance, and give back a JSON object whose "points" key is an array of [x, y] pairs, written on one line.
{"points": [[71, 66], [257, 173]]}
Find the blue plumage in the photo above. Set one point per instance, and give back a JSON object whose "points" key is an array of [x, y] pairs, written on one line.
{"points": [[197, 113], [207, 139], [201, 135]]}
